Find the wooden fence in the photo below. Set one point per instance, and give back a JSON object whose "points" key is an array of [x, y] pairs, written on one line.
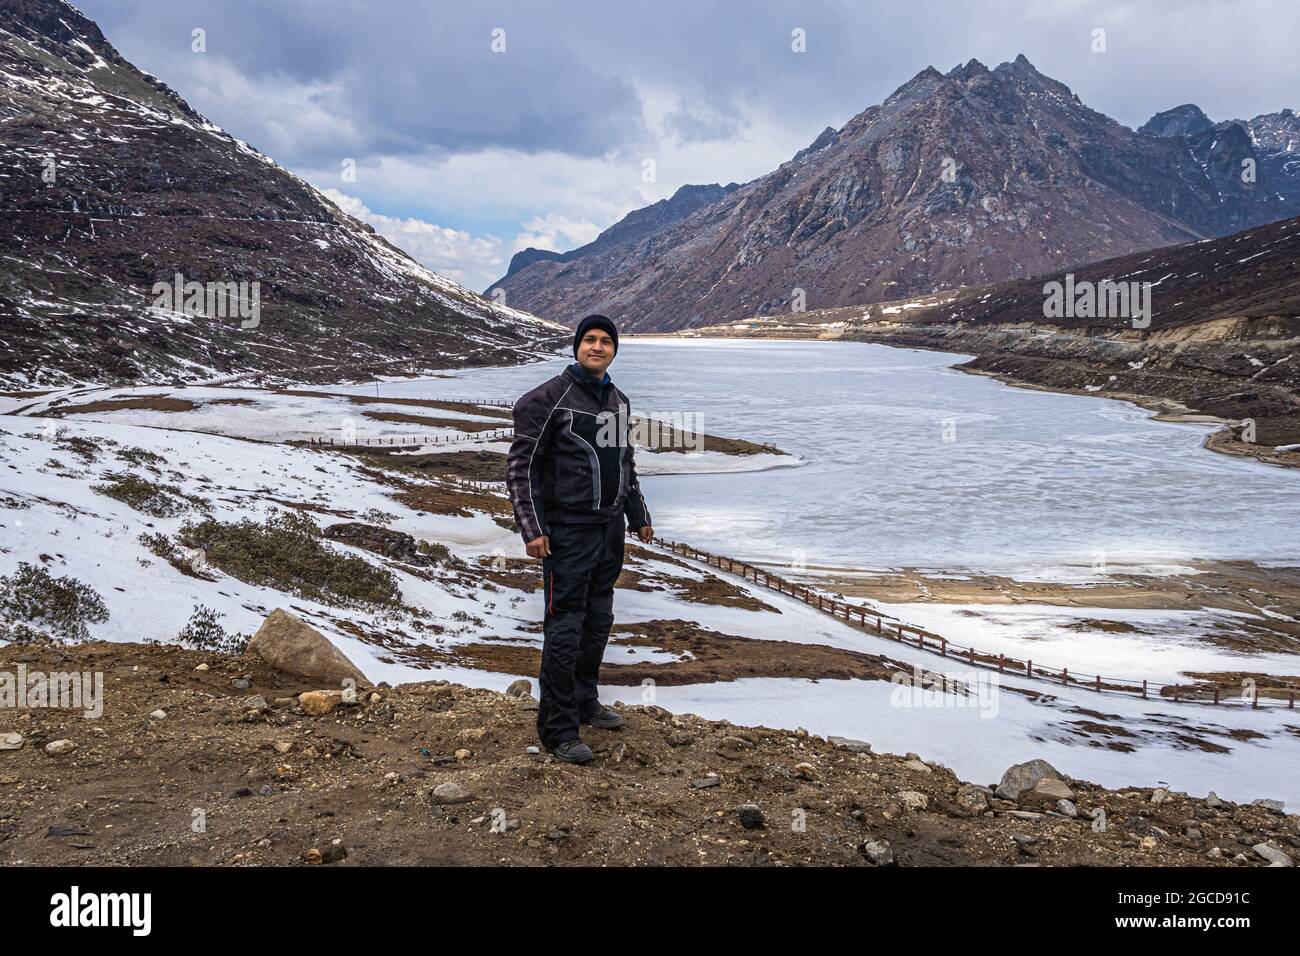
{"points": [[1282, 695]]}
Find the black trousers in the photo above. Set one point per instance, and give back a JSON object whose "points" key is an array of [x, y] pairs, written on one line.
{"points": [[578, 584]]}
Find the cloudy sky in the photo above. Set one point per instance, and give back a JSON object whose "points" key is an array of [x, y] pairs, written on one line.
{"points": [[480, 128]]}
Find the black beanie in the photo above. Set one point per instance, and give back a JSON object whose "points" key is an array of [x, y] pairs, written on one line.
{"points": [[594, 321]]}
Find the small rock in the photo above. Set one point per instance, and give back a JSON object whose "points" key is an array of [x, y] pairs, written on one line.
{"points": [[878, 853], [534, 750], [971, 799], [805, 771], [1274, 855], [203, 668], [1067, 808], [520, 688], [241, 683], [257, 702], [851, 745], [374, 698], [1023, 776], [1047, 790], [282, 746], [1275, 806], [912, 799], [751, 818], [1161, 795], [918, 765], [1215, 853], [463, 754], [60, 747], [449, 793], [701, 783], [11, 741], [1212, 800], [317, 703], [159, 715]]}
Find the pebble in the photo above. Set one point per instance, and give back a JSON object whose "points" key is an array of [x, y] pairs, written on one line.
{"points": [[912, 799], [878, 853], [1276, 806], [1161, 795], [1067, 808], [701, 783], [159, 715], [519, 688], [805, 771], [1274, 855], [60, 747], [11, 741], [318, 703], [241, 683], [751, 818], [450, 792], [203, 668], [918, 765]]}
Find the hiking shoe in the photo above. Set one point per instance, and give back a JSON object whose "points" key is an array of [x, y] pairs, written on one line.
{"points": [[573, 751], [605, 719]]}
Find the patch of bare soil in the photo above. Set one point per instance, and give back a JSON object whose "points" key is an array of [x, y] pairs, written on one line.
{"points": [[473, 465], [702, 656], [663, 436], [222, 780], [490, 411], [697, 587], [460, 424], [152, 403]]}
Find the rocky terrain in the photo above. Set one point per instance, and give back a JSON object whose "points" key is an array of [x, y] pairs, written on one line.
{"points": [[110, 183], [955, 180], [1221, 342], [209, 759]]}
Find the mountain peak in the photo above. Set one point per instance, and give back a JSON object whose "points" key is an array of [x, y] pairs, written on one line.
{"points": [[1184, 120]]}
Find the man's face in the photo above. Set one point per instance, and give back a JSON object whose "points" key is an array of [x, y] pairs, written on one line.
{"points": [[596, 351]]}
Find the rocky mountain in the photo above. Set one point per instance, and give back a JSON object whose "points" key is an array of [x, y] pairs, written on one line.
{"points": [[627, 232], [956, 179], [111, 184]]}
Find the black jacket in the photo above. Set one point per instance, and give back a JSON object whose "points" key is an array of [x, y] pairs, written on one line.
{"points": [[571, 460]]}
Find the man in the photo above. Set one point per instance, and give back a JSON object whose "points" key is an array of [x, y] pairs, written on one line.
{"points": [[572, 480]]}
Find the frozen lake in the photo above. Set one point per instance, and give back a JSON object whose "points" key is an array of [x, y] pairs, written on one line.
{"points": [[911, 463]]}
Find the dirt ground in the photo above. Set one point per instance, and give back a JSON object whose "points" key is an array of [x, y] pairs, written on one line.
{"points": [[184, 768]]}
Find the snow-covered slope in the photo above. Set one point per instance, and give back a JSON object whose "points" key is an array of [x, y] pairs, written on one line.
{"points": [[111, 183]]}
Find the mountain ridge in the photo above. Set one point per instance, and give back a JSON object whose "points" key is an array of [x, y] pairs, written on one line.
{"points": [[953, 180]]}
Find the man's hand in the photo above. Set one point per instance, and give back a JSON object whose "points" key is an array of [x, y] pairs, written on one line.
{"points": [[645, 533], [539, 547]]}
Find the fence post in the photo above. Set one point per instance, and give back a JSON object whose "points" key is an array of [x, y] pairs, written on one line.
{"points": [[1144, 690], [1065, 675], [1099, 683]]}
